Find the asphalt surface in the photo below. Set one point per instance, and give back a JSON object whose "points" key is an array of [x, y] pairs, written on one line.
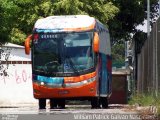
{"points": [[72, 112]]}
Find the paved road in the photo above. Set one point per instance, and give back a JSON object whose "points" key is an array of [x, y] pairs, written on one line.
{"points": [[72, 112]]}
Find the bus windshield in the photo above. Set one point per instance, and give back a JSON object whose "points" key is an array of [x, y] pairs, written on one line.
{"points": [[63, 52]]}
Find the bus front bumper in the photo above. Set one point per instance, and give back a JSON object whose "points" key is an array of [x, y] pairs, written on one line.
{"points": [[82, 90]]}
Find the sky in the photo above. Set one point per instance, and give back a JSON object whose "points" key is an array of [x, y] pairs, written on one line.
{"points": [[143, 27]]}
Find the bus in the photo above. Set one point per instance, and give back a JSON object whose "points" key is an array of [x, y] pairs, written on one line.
{"points": [[71, 60]]}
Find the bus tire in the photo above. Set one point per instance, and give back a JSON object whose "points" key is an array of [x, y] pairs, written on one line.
{"points": [[42, 103], [104, 102], [95, 103], [53, 103], [61, 103]]}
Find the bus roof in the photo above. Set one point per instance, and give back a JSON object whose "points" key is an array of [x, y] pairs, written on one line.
{"points": [[65, 23]]}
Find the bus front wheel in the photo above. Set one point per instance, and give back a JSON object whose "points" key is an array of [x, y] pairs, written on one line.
{"points": [[42, 103]]}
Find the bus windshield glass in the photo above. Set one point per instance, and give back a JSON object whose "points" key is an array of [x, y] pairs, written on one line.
{"points": [[63, 52]]}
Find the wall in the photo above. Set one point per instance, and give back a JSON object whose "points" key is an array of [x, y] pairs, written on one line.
{"points": [[15, 77]]}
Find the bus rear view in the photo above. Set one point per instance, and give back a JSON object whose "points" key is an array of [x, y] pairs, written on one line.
{"points": [[67, 62]]}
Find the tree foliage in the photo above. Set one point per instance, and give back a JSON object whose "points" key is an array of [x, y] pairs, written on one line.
{"points": [[7, 11], [123, 25], [100, 9], [118, 55], [132, 13]]}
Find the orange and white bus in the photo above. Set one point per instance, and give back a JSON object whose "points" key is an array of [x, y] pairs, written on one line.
{"points": [[71, 59]]}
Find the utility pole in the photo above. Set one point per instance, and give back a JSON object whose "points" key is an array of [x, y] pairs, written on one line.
{"points": [[148, 18], [159, 8]]}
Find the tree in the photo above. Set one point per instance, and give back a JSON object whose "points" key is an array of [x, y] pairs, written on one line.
{"points": [[18, 17], [123, 25], [7, 12], [29, 12], [118, 55], [132, 13], [100, 9]]}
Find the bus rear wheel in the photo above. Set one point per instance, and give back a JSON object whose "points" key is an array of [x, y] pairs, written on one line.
{"points": [[104, 102], [61, 103], [53, 103], [42, 103], [95, 103], [57, 103]]}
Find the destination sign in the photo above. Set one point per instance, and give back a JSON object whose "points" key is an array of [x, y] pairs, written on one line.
{"points": [[49, 36]]}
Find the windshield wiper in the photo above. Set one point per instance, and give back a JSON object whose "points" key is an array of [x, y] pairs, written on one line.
{"points": [[41, 70]]}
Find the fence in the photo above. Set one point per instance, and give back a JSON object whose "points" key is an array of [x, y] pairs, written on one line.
{"points": [[148, 63]]}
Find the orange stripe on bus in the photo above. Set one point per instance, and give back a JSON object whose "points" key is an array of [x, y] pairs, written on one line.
{"points": [[79, 78]]}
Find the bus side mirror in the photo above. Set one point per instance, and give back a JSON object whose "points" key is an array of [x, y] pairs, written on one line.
{"points": [[27, 44], [96, 43]]}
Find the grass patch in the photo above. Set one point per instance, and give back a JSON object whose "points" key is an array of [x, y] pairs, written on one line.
{"points": [[146, 100], [142, 100]]}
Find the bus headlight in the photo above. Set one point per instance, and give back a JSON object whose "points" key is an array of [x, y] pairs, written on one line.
{"points": [[42, 83]]}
